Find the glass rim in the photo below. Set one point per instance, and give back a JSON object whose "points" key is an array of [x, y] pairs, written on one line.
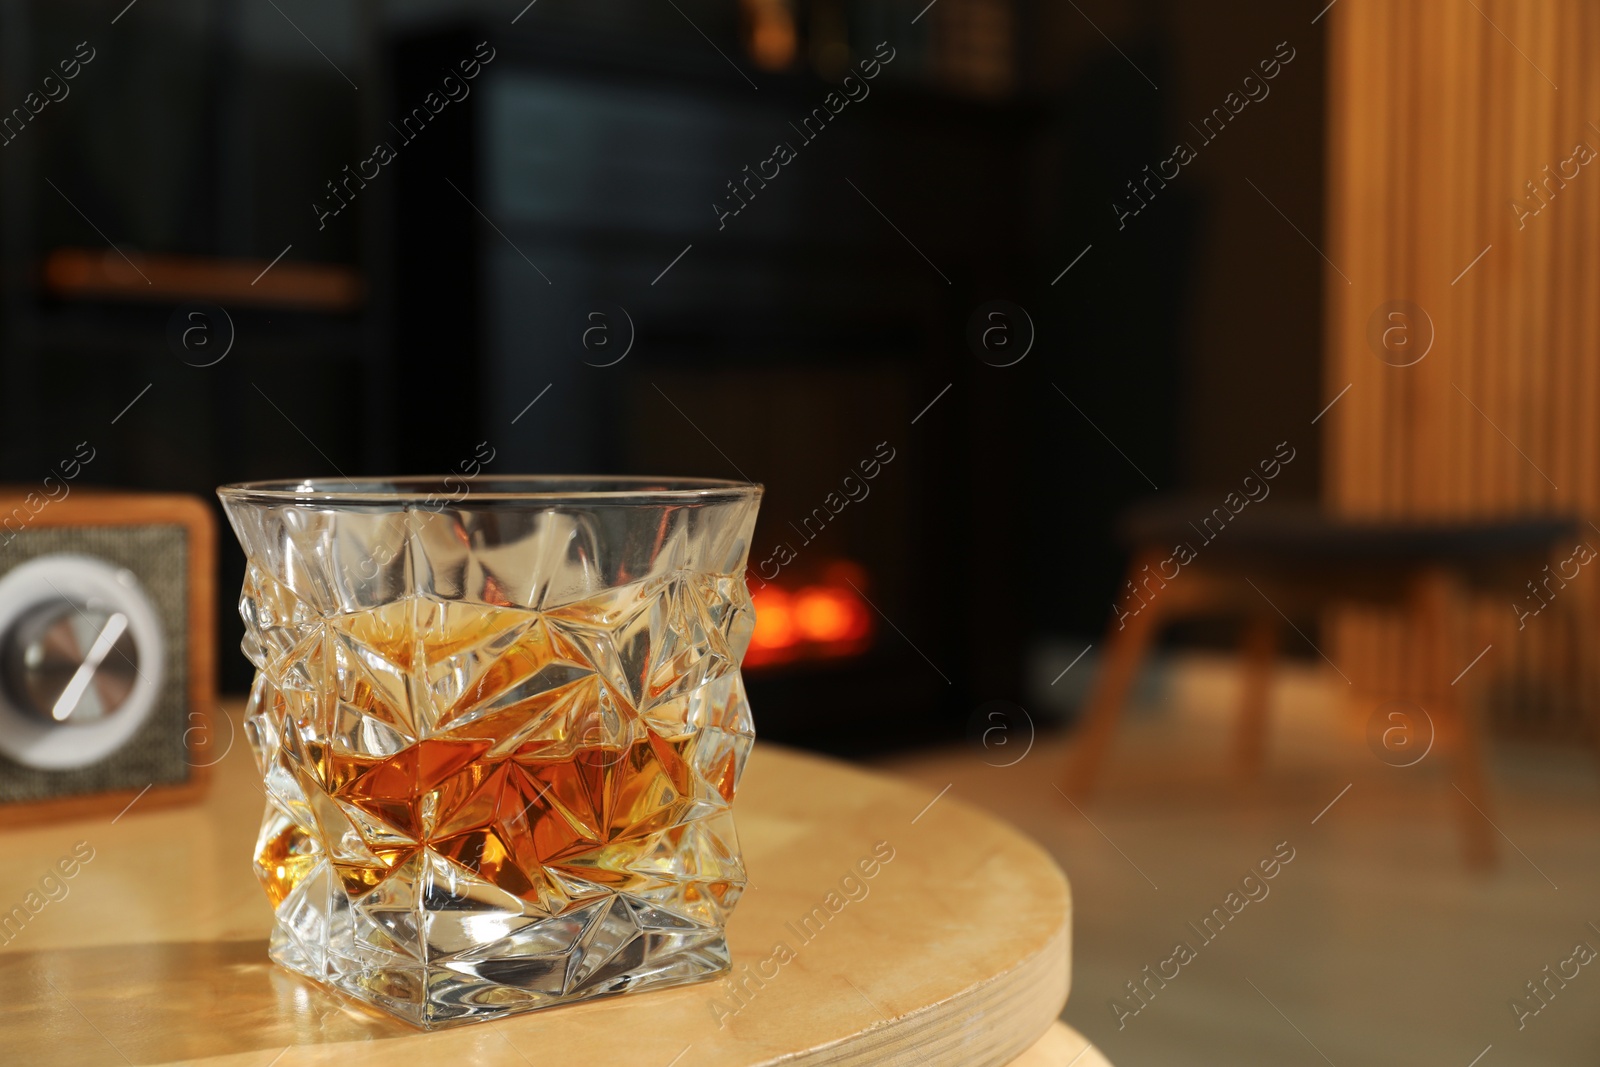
{"points": [[457, 489]]}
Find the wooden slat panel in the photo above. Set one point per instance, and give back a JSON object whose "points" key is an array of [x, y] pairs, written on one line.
{"points": [[1440, 115]]}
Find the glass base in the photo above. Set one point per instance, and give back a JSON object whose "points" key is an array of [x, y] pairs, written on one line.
{"points": [[601, 950]]}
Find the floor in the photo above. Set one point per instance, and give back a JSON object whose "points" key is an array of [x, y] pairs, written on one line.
{"points": [[1372, 945]]}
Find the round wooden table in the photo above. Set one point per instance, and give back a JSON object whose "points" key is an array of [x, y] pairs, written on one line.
{"points": [[954, 952]]}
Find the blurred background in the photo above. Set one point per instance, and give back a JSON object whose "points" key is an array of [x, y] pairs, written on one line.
{"points": [[518, 240], [967, 284]]}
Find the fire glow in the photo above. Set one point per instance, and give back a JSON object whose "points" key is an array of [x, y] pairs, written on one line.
{"points": [[823, 620]]}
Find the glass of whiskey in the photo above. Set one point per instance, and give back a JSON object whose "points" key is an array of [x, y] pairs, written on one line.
{"points": [[500, 725]]}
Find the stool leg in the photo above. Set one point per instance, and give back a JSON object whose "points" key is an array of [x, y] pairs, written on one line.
{"points": [[1257, 651], [1439, 610], [1587, 636], [1125, 649]]}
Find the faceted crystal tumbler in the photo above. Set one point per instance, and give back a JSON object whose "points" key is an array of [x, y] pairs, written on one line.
{"points": [[500, 725]]}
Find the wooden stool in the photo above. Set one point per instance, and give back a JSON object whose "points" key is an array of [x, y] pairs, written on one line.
{"points": [[1284, 562], [955, 952], [1062, 1046]]}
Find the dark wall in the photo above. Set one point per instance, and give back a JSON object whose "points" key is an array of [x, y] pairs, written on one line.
{"points": [[1187, 338], [1253, 323]]}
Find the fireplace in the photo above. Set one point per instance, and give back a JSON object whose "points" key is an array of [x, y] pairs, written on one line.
{"points": [[599, 315]]}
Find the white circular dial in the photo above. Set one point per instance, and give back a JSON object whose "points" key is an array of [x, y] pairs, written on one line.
{"points": [[81, 660]]}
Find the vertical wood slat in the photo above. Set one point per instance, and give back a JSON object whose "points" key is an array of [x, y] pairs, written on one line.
{"points": [[1437, 122]]}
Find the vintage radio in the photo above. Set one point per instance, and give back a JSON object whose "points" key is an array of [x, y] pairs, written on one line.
{"points": [[107, 651]]}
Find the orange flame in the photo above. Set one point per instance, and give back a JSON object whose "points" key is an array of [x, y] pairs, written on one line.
{"points": [[825, 619]]}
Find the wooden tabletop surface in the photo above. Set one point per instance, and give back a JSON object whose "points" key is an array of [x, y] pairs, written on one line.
{"points": [[153, 951]]}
